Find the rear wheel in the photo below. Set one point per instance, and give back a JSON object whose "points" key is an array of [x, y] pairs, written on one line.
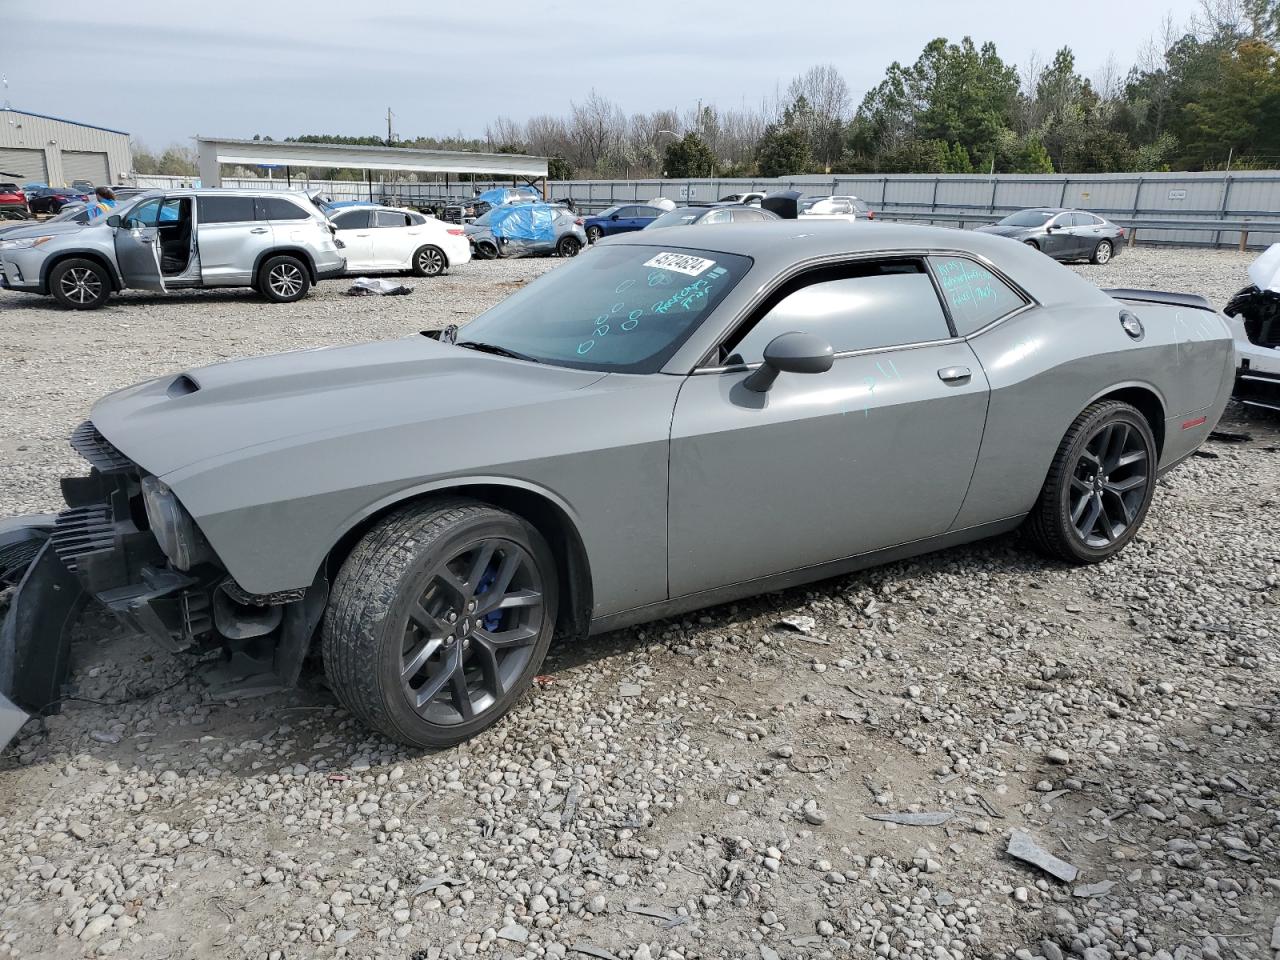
{"points": [[79, 284], [486, 251], [283, 279], [1102, 252], [429, 261], [568, 247], [439, 619], [1099, 487]]}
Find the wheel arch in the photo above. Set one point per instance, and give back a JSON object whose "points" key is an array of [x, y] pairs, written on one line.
{"points": [[1148, 402], [292, 251], [95, 255], [536, 505]]}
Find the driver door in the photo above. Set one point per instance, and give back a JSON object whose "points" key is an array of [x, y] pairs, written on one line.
{"points": [[875, 452], [1057, 240], [137, 243]]}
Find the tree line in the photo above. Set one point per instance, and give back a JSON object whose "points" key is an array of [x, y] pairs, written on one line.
{"points": [[1201, 96]]}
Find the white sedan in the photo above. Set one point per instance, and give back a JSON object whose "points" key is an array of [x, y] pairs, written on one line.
{"points": [[387, 239]]}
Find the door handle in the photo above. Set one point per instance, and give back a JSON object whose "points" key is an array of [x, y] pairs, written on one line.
{"points": [[258, 230], [954, 374]]}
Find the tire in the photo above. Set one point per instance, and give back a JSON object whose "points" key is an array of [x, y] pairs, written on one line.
{"points": [[568, 247], [1032, 244], [486, 251], [390, 611], [1102, 252], [429, 261], [594, 234], [1084, 514], [80, 284], [283, 279]]}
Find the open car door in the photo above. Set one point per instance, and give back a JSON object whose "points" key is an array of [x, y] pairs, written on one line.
{"points": [[137, 240]]}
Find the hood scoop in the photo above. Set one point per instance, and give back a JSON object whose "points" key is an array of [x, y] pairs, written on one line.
{"points": [[183, 385]]}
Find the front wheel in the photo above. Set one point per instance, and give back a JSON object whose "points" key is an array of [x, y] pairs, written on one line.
{"points": [[439, 620], [1102, 252], [594, 234], [568, 247], [1032, 244], [1099, 486], [429, 262], [80, 284], [284, 279]]}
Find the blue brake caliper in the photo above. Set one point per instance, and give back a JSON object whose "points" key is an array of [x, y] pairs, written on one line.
{"points": [[489, 621]]}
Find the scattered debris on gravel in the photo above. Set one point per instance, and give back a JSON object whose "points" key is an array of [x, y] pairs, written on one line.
{"points": [[826, 772]]}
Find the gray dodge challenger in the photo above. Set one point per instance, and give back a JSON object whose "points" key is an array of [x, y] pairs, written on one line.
{"points": [[664, 423]]}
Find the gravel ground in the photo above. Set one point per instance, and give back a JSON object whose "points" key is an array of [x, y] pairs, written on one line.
{"points": [[701, 787]]}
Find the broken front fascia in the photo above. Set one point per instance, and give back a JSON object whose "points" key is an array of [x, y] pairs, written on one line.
{"points": [[126, 542]]}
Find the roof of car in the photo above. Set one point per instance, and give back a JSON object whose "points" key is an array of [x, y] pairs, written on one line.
{"points": [[777, 245]]}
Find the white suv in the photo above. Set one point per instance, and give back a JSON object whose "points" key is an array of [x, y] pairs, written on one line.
{"points": [[279, 243]]}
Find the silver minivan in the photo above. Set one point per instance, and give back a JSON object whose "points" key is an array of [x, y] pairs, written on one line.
{"points": [[279, 243]]}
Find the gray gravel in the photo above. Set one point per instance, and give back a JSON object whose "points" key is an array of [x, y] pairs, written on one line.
{"points": [[694, 788]]}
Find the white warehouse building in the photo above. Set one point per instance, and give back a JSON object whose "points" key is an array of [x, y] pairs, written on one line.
{"points": [[38, 148]]}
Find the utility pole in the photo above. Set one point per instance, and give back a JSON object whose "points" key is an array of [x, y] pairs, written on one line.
{"points": [[390, 138]]}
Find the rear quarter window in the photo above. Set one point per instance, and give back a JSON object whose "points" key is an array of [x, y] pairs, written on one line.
{"points": [[974, 295], [278, 208]]}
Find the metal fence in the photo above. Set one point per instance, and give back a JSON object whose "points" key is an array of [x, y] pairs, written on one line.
{"points": [[1208, 209]]}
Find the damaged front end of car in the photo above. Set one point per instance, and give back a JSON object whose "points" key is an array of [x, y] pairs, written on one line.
{"points": [[126, 542]]}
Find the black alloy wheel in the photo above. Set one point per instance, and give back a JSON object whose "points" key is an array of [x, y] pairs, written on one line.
{"points": [[1099, 486]]}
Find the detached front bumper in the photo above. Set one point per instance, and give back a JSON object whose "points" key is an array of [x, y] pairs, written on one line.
{"points": [[102, 548]]}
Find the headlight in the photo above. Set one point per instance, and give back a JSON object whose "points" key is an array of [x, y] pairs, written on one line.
{"points": [[26, 243], [172, 526]]}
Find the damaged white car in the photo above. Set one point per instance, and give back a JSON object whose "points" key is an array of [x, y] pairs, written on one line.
{"points": [[1254, 317]]}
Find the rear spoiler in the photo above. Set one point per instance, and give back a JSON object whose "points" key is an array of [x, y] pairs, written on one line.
{"points": [[1192, 300]]}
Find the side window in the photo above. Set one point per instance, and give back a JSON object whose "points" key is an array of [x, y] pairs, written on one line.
{"points": [[278, 208], [716, 216], [746, 216], [144, 215], [389, 218], [417, 219], [352, 220], [174, 209], [225, 209], [1061, 220], [854, 308], [974, 294]]}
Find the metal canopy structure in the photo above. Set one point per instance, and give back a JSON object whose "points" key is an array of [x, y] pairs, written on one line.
{"points": [[215, 151]]}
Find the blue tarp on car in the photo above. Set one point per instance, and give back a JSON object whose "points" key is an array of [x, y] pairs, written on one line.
{"points": [[500, 195], [523, 221]]}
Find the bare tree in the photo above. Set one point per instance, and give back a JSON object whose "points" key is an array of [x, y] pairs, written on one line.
{"points": [[597, 128], [504, 132], [830, 102]]}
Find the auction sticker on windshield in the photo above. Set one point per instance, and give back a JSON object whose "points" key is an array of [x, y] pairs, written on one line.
{"points": [[681, 263]]}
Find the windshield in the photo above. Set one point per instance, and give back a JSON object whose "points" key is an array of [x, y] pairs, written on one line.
{"points": [[71, 211], [1026, 218], [675, 218], [609, 211], [623, 308]]}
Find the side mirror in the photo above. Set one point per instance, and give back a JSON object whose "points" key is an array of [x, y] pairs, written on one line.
{"points": [[614, 217], [1052, 227], [791, 353], [113, 220]]}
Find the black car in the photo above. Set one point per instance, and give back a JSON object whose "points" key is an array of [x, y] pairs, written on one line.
{"points": [[53, 199], [1062, 234]]}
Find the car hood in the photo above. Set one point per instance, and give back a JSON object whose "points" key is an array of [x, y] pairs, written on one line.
{"points": [[1001, 231], [217, 412], [47, 230]]}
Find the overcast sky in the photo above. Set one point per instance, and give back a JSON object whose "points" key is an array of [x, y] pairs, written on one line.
{"points": [[165, 70]]}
